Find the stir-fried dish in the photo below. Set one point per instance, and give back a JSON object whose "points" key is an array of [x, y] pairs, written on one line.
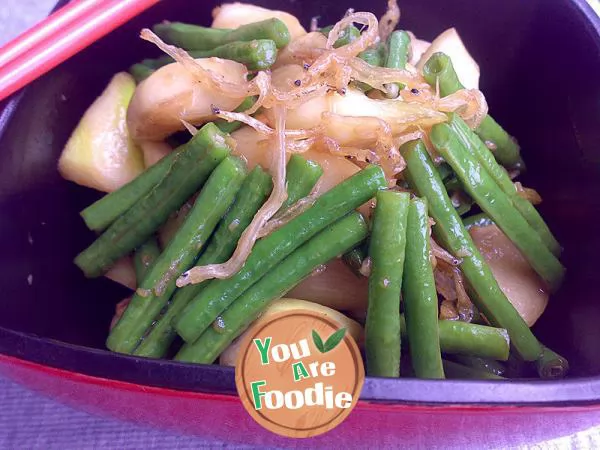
{"points": [[353, 169]]}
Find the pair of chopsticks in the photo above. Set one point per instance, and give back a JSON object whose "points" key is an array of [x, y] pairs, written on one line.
{"points": [[60, 36]]}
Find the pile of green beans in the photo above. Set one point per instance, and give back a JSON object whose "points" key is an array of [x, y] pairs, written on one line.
{"points": [[301, 177], [201, 312], [402, 321]]}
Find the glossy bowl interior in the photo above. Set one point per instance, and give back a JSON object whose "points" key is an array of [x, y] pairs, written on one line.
{"points": [[540, 65]]}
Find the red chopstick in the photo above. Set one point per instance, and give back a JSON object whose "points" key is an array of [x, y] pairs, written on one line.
{"points": [[61, 36], [43, 30]]}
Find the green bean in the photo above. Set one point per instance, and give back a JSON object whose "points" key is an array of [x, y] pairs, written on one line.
{"points": [[487, 194], [355, 258], [473, 340], [188, 171], [469, 339], [326, 245], [386, 250], [347, 35], [485, 157], [507, 149], [251, 196], [397, 56], [100, 214], [420, 296], [270, 250], [449, 231], [551, 365], [439, 71], [158, 285], [488, 365], [302, 176], [140, 72], [445, 172], [229, 127], [477, 220], [194, 37], [374, 56], [258, 54], [144, 257], [458, 371]]}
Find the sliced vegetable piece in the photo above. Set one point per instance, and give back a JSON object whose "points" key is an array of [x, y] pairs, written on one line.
{"points": [[100, 153], [172, 94], [335, 286], [519, 282]]}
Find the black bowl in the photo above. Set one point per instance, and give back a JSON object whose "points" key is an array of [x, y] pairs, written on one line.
{"points": [[540, 65]]}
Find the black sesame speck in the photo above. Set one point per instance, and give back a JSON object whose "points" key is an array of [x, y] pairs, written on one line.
{"points": [[297, 82], [414, 91]]}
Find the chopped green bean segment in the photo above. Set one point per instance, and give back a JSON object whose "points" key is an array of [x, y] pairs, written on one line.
{"points": [[475, 362], [194, 37], [140, 72], [397, 56], [551, 364], [301, 177], [258, 54], [477, 220], [470, 339], [386, 250], [420, 297]]}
